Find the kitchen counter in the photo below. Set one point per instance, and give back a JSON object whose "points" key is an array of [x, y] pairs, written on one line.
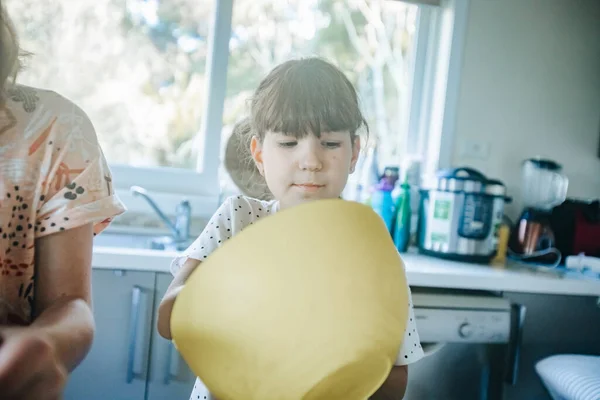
{"points": [[427, 271], [422, 271]]}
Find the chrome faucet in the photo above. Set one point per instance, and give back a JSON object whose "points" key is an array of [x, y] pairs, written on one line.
{"points": [[180, 229]]}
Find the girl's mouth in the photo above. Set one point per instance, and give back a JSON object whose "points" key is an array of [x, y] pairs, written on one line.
{"points": [[309, 187]]}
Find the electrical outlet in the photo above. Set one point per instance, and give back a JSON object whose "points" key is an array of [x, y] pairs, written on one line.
{"points": [[473, 148]]}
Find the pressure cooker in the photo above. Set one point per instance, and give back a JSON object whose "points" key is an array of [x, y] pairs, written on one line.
{"points": [[460, 213]]}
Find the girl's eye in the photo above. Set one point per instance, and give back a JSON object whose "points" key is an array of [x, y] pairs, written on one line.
{"points": [[288, 144], [332, 145]]}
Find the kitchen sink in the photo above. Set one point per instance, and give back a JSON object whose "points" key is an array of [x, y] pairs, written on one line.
{"points": [[132, 241]]}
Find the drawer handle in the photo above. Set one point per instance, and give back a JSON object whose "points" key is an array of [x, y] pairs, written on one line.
{"points": [[135, 351], [172, 364]]}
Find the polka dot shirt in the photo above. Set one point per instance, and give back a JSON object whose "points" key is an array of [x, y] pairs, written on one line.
{"points": [[232, 217], [235, 214]]}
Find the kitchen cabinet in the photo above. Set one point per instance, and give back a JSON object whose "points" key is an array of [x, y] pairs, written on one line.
{"points": [[129, 360], [170, 377], [117, 365]]}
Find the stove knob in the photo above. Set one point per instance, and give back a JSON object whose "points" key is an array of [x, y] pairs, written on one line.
{"points": [[465, 330]]}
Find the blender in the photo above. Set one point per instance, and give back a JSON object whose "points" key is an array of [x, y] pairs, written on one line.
{"points": [[544, 187]]}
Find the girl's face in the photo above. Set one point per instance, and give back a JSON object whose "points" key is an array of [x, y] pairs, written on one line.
{"points": [[305, 169]]}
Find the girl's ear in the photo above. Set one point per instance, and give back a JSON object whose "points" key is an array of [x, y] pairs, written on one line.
{"points": [[256, 150], [355, 153]]}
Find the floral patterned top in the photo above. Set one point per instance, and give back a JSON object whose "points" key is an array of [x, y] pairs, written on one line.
{"points": [[53, 177]]}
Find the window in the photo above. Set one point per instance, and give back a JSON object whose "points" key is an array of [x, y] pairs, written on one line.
{"points": [[137, 67], [155, 75]]}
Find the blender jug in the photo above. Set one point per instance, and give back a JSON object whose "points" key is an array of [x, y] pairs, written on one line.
{"points": [[544, 187]]}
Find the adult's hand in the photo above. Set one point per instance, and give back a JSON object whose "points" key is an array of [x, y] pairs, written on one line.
{"points": [[29, 365]]}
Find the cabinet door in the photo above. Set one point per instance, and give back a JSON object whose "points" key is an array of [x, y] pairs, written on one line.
{"points": [[170, 377], [117, 365]]}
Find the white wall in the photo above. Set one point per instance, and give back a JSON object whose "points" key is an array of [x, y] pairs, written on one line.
{"points": [[530, 86]]}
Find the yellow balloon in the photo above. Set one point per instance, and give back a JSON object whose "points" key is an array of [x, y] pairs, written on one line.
{"points": [[309, 303]]}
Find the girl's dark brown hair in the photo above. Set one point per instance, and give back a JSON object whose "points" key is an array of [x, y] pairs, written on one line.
{"points": [[305, 96], [240, 165]]}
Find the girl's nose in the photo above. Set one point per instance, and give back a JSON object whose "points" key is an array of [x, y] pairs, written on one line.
{"points": [[310, 159]]}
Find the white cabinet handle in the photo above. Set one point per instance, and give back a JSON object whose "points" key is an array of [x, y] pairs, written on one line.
{"points": [[136, 349]]}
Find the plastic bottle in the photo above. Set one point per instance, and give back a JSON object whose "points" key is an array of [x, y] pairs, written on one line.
{"points": [[403, 218], [382, 203]]}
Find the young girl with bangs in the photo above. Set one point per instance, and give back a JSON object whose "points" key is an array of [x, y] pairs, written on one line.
{"points": [[304, 121]]}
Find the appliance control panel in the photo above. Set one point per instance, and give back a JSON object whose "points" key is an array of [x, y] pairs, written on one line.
{"points": [[462, 325]]}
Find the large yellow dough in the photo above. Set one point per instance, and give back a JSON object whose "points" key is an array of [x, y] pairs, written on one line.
{"points": [[309, 303]]}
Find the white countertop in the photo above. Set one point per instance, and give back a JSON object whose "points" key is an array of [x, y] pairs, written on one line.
{"points": [[132, 259], [427, 271], [422, 271]]}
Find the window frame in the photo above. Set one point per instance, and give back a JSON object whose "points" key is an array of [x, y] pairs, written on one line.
{"points": [[438, 121]]}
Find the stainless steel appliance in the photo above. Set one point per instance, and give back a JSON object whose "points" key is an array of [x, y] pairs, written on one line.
{"points": [[459, 214]]}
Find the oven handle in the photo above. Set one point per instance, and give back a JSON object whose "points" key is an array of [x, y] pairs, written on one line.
{"points": [[515, 342]]}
